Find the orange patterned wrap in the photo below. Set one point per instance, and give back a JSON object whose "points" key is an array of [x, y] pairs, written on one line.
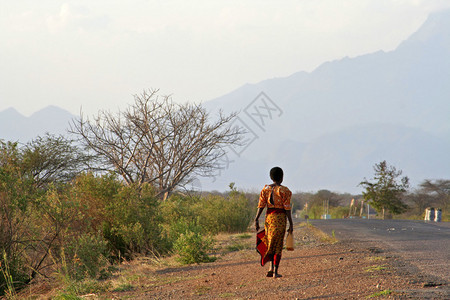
{"points": [[281, 196]]}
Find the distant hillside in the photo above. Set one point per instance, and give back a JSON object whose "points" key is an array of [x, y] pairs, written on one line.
{"points": [[329, 127], [16, 127]]}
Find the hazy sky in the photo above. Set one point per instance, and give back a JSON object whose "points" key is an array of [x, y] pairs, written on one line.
{"points": [[97, 54]]}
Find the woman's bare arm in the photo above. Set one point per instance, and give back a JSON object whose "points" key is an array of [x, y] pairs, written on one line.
{"points": [[291, 224], [258, 213]]}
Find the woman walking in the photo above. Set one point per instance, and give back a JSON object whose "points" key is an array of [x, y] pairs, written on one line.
{"points": [[277, 199]]}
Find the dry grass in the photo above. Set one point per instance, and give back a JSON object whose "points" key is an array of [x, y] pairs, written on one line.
{"points": [[318, 234]]}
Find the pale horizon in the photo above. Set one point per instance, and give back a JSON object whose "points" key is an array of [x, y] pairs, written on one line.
{"points": [[96, 55]]}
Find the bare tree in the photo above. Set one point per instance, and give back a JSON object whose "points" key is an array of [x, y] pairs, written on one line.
{"points": [[158, 141]]}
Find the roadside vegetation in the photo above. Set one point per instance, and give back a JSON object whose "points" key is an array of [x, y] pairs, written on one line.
{"points": [[72, 210], [76, 232]]}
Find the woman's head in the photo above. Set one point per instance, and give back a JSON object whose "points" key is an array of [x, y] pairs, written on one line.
{"points": [[276, 174]]}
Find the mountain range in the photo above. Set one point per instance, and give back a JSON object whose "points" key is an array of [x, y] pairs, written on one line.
{"points": [[327, 128], [18, 128]]}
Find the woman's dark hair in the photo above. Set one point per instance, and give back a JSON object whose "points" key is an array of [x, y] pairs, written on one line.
{"points": [[276, 174]]}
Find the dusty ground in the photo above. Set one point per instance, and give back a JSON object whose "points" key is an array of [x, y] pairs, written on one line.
{"points": [[319, 268]]}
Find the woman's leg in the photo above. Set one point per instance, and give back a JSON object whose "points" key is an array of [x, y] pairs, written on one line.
{"points": [[270, 272], [276, 263], [275, 273]]}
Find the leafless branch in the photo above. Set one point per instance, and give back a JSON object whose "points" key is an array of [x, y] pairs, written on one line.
{"points": [[157, 141]]}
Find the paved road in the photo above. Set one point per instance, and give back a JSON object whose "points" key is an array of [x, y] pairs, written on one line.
{"points": [[425, 245]]}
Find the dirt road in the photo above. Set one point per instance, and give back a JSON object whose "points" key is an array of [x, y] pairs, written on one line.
{"points": [[317, 269]]}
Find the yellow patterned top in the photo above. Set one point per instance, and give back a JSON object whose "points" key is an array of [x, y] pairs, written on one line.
{"points": [[281, 197]]}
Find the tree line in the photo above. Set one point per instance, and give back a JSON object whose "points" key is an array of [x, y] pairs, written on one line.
{"points": [[387, 192]]}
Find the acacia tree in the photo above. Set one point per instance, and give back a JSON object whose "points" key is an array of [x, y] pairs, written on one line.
{"points": [[158, 141], [419, 200], [52, 159], [385, 193], [437, 189], [431, 193]]}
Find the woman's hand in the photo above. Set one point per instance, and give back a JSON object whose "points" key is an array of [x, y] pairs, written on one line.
{"points": [[290, 229], [258, 213]]}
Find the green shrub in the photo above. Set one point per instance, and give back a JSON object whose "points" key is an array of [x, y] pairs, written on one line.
{"points": [[214, 213], [237, 213], [181, 226], [178, 206], [94, 194], [86, 257], [315, 211], [231, 214], [133, 223], [339, 212], [189, 241], [128, 216], [17, 194], [192, 247]]}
